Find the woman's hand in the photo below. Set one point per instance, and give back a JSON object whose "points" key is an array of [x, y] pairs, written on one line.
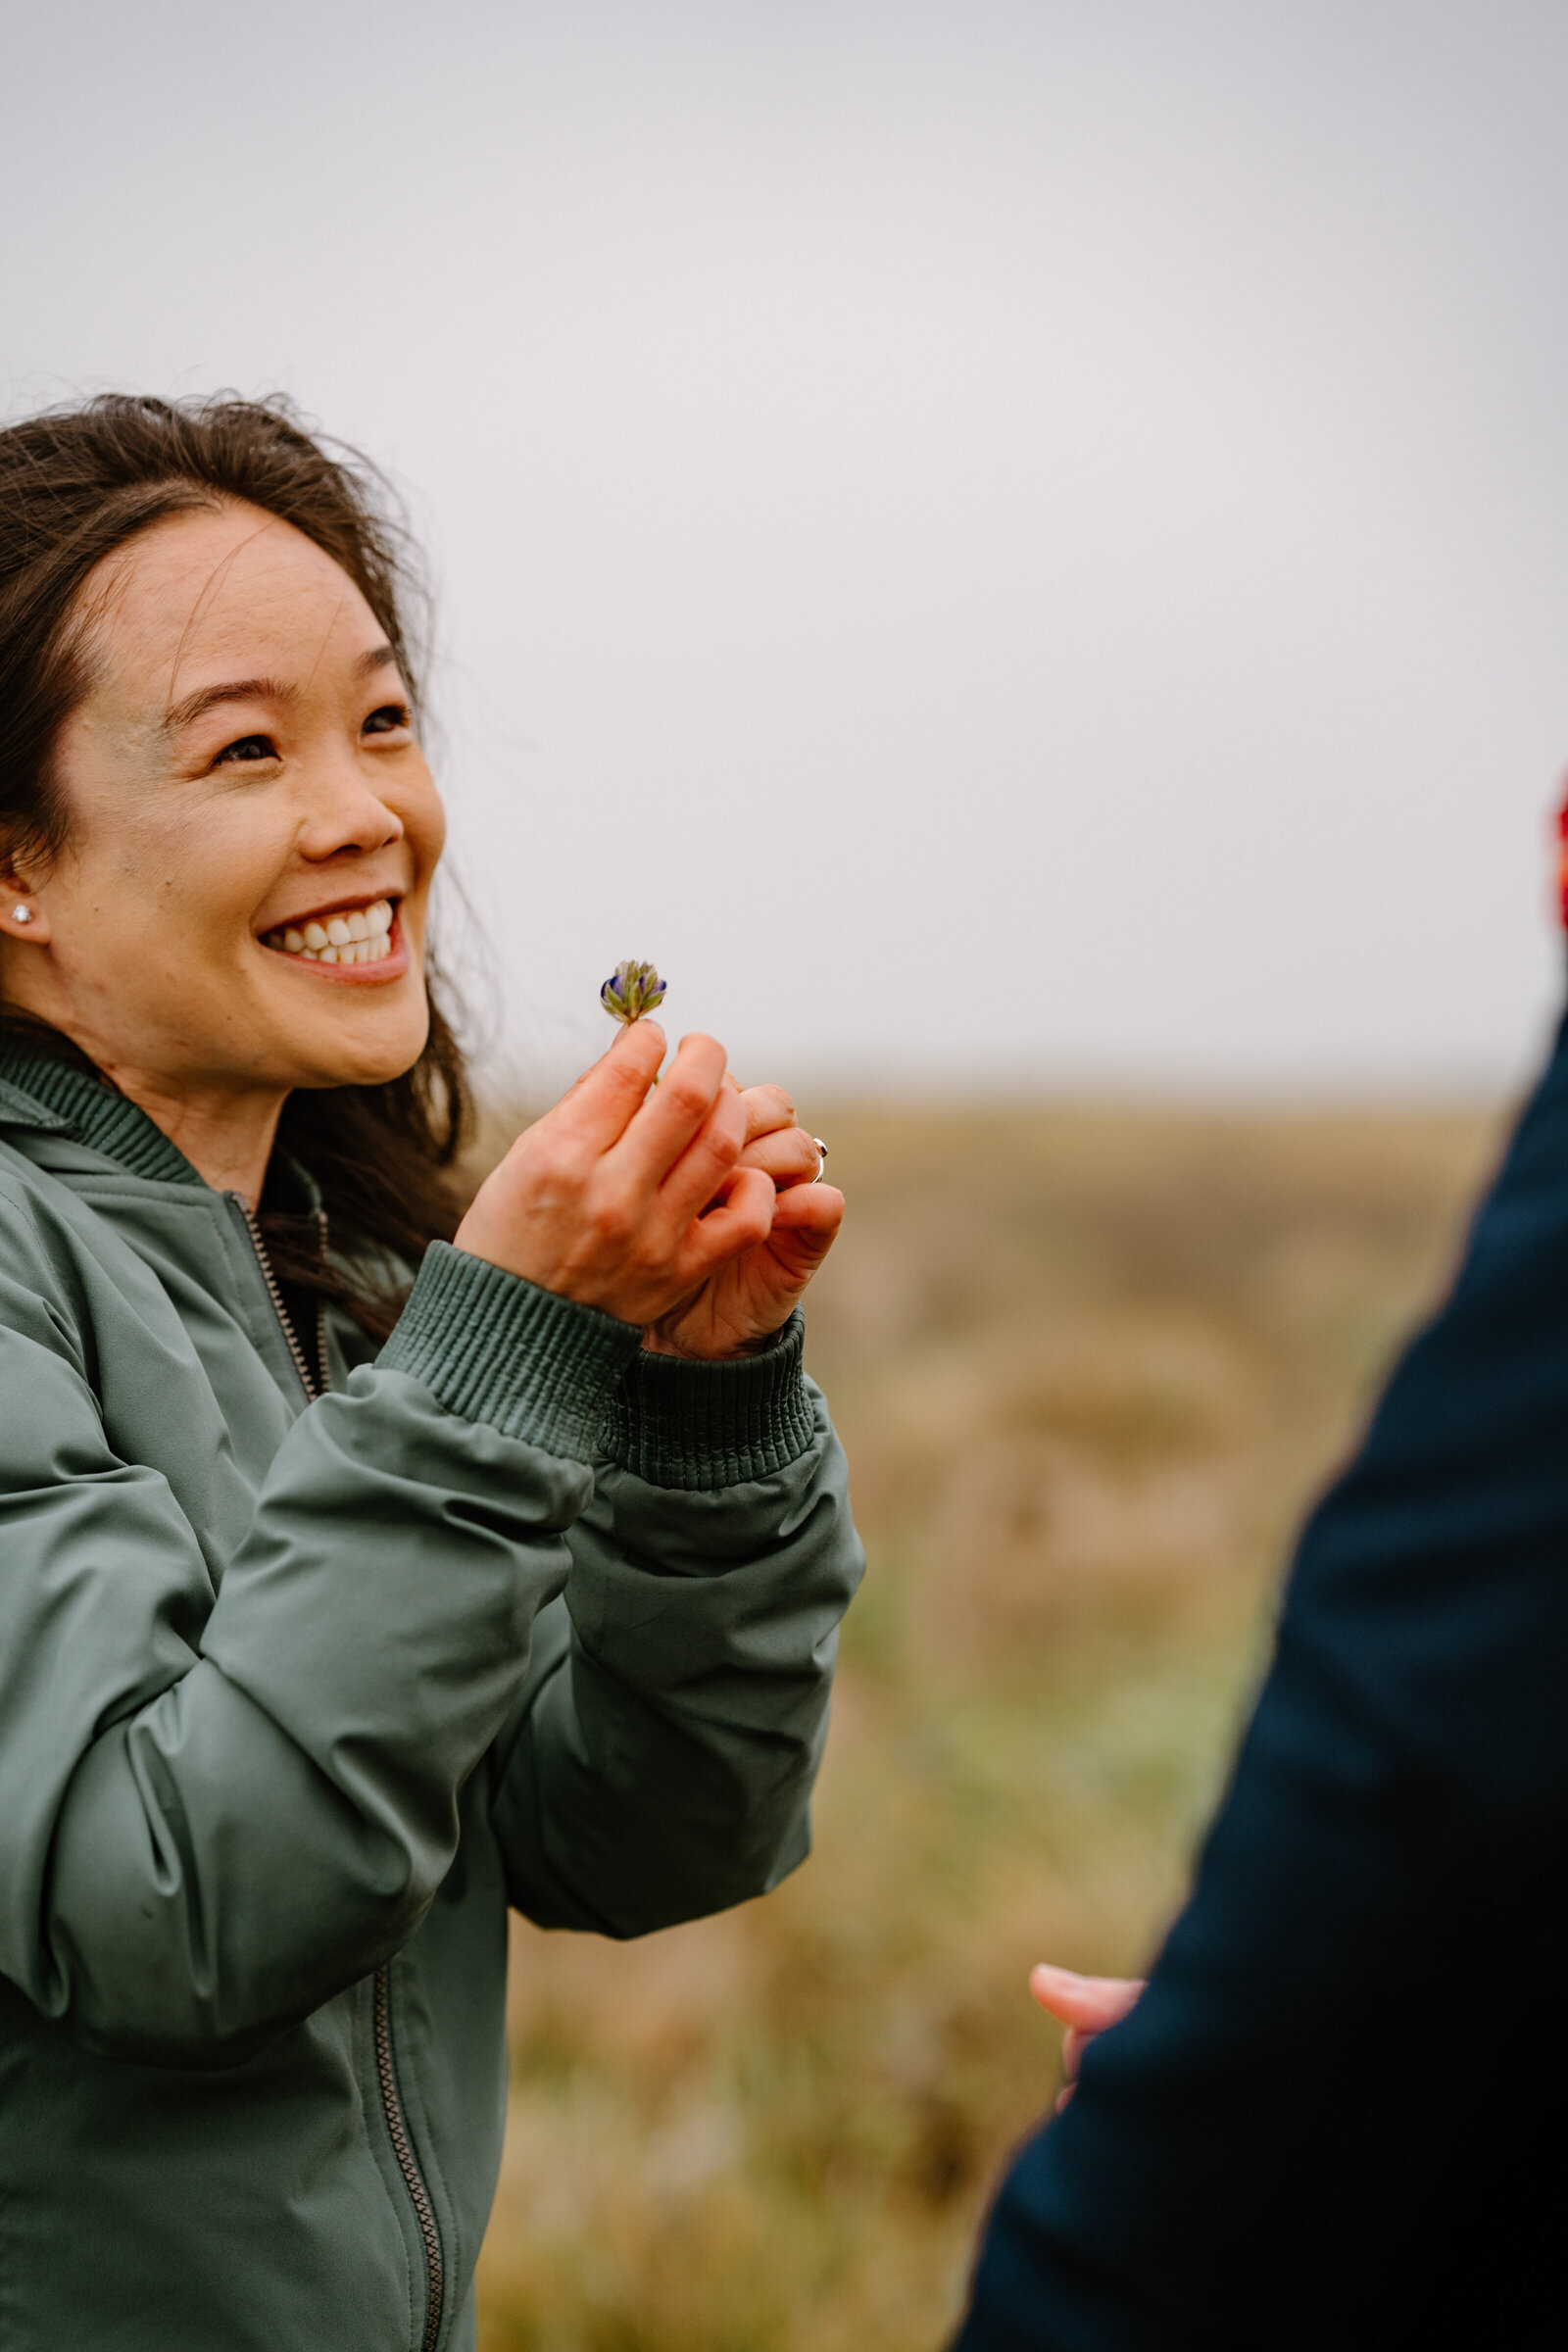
{"points": [[634, 1199], [1086, 2006], [743, 1302]]}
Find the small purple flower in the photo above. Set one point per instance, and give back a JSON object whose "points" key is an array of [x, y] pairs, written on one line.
{"points": [[631, 989]]}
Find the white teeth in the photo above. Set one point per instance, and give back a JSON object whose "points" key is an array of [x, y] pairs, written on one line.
{"points": [[363, 937]]}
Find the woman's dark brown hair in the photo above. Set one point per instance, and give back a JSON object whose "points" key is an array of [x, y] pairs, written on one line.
{"points": [[77, 484]]}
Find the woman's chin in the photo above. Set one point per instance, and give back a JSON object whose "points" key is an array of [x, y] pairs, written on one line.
{"points": [[371, 1050]]}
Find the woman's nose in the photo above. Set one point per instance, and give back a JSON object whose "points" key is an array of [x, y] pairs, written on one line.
{"points": [[346, 816]]}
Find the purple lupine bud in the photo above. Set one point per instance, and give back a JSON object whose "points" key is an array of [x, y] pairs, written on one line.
{"points": [[632, 990]]}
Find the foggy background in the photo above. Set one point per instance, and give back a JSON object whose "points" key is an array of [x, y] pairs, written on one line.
{"points": [[1001, 544]]}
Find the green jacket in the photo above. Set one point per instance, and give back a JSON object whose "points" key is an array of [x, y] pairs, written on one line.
{"points": [[296, 1697]]}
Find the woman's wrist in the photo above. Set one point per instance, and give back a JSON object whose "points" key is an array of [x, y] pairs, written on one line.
{"points": [[657, 1343]]}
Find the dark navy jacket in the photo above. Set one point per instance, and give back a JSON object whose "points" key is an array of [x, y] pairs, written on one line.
{"points": [[1338, 2114]]}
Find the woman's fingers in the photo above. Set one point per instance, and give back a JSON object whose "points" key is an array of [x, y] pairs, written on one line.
{"points": [[673, 1113], [768, 1108], [805, 1223], [598, 1110], [740, 1221], [1085, 2004], [786, 1153], [705, 1168]]}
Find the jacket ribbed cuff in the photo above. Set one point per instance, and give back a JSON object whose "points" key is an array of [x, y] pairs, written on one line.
{"points": [[700, 1426], [494, 1347]]}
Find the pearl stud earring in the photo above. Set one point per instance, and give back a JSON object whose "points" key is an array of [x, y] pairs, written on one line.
{"points": [[21, 914]]}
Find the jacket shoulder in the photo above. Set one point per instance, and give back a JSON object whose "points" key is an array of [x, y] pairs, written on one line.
{"points": [[57, 1254]]}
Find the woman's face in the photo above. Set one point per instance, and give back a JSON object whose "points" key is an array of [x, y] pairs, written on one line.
{"points": [[242, 901]]}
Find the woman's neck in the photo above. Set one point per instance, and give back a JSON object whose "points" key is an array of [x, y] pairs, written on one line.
{"points": [[226, 1137]]}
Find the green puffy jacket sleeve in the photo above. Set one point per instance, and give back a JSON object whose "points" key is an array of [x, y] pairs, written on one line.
{"points": [[660, 1761], [221, 1810]]}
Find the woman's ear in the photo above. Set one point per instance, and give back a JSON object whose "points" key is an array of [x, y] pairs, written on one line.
{"points": [[21, 913]]}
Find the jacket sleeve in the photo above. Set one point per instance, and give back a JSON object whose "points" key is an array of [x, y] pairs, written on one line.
{"points": [[213, 1822], [660, 1761], [1327, 2120]]}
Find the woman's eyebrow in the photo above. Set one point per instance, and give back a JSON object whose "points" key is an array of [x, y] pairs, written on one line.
{"points": [[238, 690]]}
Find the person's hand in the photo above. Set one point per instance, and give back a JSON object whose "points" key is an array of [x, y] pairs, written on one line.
{"points": [[632, 1199], [1086, 2006], [743, 1302]]}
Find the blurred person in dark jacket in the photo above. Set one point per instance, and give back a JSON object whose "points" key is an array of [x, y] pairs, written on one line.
{"points": [[1334, 2116]]}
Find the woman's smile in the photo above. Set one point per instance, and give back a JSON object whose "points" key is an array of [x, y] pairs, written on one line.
{"points": [[352, 938]]}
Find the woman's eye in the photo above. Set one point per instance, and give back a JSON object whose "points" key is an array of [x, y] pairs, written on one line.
{"points": [[248, 747], [387, 720]]}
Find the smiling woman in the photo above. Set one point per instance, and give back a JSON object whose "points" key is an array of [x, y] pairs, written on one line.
{"points": [[174, 638], [209, 811], [316, 1652]]}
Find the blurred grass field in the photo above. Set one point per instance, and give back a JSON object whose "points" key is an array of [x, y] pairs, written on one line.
{"points": [[1089, 1365]]}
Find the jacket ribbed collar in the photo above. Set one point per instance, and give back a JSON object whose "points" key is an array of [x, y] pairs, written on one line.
{"points": [[41, 1091], [38, 1089]]}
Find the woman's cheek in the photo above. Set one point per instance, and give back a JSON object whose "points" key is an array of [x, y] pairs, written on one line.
{"points": [[425, 821]]}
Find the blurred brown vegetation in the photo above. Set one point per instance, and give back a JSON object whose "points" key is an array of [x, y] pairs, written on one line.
{"points": [[1090, 1366]]}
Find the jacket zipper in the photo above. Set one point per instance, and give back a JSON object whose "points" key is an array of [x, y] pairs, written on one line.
{"points": [[323, 1373], [387, 2071], [253, 1226], [408, 2163]]}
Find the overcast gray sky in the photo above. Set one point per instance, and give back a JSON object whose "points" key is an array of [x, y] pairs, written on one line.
{"points": [[1004, 540]]}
